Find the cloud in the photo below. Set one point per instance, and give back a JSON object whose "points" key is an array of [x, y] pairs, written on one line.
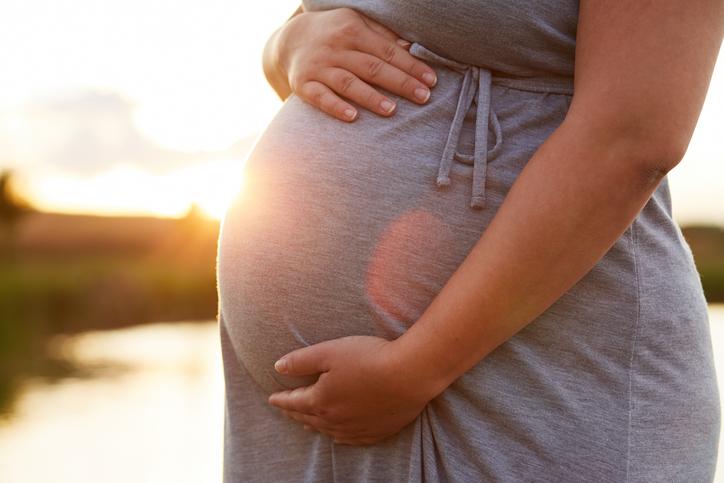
{"points": [[88, 132]]}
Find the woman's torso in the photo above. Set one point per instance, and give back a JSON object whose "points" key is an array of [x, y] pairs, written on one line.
{"points": [[340, 230]]}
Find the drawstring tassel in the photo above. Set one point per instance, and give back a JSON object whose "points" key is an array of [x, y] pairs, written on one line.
{"points": [[467, 93], [476, 80], [481, 139]]}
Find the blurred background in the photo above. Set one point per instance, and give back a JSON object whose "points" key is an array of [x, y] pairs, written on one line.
{"points": [[124, 126]]}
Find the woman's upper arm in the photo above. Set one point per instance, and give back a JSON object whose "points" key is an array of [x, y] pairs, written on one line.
{"points": [[642, 71]]}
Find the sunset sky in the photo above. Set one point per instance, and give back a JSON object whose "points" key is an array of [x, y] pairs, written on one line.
{"points": [[143, 107]]}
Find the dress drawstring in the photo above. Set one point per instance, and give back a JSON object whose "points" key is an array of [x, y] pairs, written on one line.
{"points": [[480, 78], [477, 81]]}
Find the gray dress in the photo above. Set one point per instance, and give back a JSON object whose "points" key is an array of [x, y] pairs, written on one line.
{"points": [[345, 229]]}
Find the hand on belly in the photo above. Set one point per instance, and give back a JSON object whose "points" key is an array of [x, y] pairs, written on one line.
{"points": [[361, 396]]}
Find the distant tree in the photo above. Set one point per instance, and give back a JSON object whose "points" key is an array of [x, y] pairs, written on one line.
{"points": [[12, 208], [195, 213]]}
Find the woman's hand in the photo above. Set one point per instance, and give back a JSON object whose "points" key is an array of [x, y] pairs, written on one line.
{"points": [[323, 55], [363, 394]]}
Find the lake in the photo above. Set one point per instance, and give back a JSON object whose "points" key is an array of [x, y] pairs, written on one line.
{"points": [[150, 409]]}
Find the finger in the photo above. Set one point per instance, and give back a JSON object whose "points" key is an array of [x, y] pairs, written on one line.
{"points": [[326, 430], [374, 70], [392, 53], [306, 361], [352, 87], [324, 99], [299, 400], [310, 420]]}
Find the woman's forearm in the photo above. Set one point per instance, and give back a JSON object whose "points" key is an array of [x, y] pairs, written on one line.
{"points": [[572, 201], [270, 62], [638, 94]]}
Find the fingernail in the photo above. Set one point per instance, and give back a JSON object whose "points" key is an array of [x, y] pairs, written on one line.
{"points": [[387, 106], [430, 79], [349, 113], [280, 365], [422, 94], [403, 42]]}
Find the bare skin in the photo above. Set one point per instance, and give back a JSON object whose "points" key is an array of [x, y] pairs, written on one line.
{"points": [[641, 76], [327, 56]]}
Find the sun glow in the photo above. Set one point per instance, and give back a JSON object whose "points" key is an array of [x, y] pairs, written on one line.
{"points": [[126, 190], [213, 185], [134, 107]]}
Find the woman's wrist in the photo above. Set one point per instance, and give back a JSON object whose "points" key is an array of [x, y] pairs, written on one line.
{"points": [[273, 59], [425, 376], [272, 71]]}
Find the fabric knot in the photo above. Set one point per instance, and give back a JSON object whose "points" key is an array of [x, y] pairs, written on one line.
{"points": [[477, 85]]}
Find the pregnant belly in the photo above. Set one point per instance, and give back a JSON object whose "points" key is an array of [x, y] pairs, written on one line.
{"points": [[335, 234]]}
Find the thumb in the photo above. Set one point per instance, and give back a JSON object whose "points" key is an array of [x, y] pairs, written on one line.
{"points": [[304, 362]]}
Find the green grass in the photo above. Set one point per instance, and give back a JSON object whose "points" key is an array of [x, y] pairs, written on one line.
{"points": [[712, 278], [66, 274], [42, 297], [707, 245]]}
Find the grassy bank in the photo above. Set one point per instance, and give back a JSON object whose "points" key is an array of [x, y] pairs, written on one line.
{"points": [[66, 274], [707, 245]]}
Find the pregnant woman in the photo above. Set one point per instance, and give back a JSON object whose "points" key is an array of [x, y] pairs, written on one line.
{"points": [[480, 284]]}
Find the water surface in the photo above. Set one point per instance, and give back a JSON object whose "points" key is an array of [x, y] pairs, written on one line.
{"points": [[153, 412]]}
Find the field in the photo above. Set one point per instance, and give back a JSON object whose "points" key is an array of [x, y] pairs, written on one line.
{"points": [[707, 244], [66, 274]]}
